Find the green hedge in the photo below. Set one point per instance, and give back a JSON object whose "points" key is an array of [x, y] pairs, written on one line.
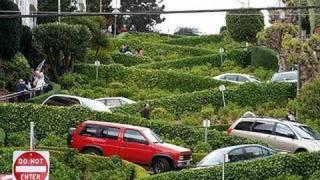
{"points": [[70, 165], [303, 164], [250, 95], [160, 51], [129, 60], [264, 57], [169, 80], [57, 120], [240, 57], [193, 41]]}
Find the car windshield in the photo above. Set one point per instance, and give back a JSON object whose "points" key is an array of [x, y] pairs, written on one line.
{"points": [[211, 159], [285, 76], [153, 137], [306, 132]]}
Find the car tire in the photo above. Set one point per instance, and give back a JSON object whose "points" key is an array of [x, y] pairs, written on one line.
{"points": [[160, 165], [92, 151], [300, 151]]}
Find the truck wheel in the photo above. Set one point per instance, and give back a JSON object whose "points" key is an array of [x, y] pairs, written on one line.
{"points": [[160, 165], [92, 151]]}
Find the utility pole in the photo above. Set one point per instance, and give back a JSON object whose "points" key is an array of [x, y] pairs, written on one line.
{"points": [[59, 10], [100, 6]]}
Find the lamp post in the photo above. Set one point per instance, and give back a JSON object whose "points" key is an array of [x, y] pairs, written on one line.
{"points": [[59, 10], [222, 88], [206, 125], [116, 6], [97, 64], [221, 51]]}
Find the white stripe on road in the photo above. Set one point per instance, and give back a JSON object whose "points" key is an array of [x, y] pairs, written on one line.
{"points": [[31, 169]]}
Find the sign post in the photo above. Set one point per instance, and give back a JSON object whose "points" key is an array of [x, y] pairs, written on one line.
{"points": [[222, 88], [31, 136], [97, 64], [206, 124], [221, 51], [30, 165]]}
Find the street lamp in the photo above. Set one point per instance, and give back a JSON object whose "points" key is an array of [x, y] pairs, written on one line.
{"points": [[222, 88], [97, 64], [221, 51], [116, 6], [206, 125]]}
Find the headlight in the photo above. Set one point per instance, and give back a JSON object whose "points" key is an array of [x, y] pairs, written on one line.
{"points": [[181, 158]]}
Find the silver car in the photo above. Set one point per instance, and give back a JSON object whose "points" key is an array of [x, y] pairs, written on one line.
{"points": [[279, 134], [286, 77], [235, 154], [237, 78]]}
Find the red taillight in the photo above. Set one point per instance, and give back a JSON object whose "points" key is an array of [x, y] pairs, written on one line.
{"points": [[229, 131]]}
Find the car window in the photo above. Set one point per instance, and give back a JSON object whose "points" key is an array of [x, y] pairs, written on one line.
{"points": [[263, 127], [133, 136], [110, 133], [244, 126], [61, 101], [89, 130], [123, 102], [236, 155], [266, 152], [253, 152], [242, 79], [231, 77], [113, 102], [284, 131]]}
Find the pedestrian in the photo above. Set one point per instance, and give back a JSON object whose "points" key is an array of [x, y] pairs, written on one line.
{"points": [[39, 82], [290, 116], [146, 111], [21, 88], [123, 48]]}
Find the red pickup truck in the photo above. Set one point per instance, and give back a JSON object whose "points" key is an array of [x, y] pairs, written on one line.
{"points": [[132, 143]]}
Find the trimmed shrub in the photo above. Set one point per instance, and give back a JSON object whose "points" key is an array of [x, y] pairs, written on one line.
{"points": [[315, 175], [150, 78], [264, 57], [286, 177], [129, 60], [57, 120], [193, 41], [17, 138], [250, 95], [70, 80], [102, 56], [53, 140], [2, 137], [303, 164]]}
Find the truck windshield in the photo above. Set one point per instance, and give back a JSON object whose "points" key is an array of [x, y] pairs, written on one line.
{"points": [[307, 133], [153, 137]]}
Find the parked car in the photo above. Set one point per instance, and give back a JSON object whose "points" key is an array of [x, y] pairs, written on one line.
{"points": [[235, 154], [115, 101], [237, 78], [67, 100], [279, 134], [286, 77], [132, 143]]}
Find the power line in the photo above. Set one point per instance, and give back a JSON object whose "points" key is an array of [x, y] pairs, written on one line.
{"points": [[56, 14]]}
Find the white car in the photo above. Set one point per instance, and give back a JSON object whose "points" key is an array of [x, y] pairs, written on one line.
{"points": [[115, 101], [237, 78], [67, 100], [286, 77]]}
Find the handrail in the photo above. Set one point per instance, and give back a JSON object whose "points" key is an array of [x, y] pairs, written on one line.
{"points": [[24, 92]]}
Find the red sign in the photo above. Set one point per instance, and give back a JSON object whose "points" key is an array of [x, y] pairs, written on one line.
{"points": [[31, 165]]}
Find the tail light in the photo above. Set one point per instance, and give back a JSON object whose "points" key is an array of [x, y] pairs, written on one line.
{"points": [[229, 131]]}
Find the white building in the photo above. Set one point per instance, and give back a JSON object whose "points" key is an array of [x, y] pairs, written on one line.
{"points": [[26, 7]]}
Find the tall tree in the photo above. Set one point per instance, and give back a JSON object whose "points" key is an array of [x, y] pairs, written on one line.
{"points": [[10, 32], [244, 27], [61, 44]]}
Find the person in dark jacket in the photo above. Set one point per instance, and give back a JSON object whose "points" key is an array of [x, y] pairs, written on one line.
{"points": [[146, 111], [21, 87]]}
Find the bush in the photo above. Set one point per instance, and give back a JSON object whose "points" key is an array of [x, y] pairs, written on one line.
{"points": [[17, 139], [264, 57], [315, 175], [193, 41], [70, 80], [286, 177], [161, 113], [54, 141], [2, 137], [250, 95], [303, 164], [129, 60], [57, 120], [102, 56], [150, 78], [202, 147]]}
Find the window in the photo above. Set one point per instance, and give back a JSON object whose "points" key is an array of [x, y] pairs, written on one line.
{"points": [[61, 101], [236, 155], [123, 102], [263, 127], [90, 130], [253, 152], [266, 152], [284, 131], [113, 102], [242, 79], [244, 126], [133, 136], [110, 133], [231, 77]]}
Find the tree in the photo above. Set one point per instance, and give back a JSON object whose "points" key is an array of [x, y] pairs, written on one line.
{"points": [[52, 6], [61, 44], [272, 37], [244, 27], [10, 32]]}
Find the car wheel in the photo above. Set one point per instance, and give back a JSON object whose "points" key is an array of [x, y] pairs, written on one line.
{"points": [[300, 151], [92, 151], [160, 165]]}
